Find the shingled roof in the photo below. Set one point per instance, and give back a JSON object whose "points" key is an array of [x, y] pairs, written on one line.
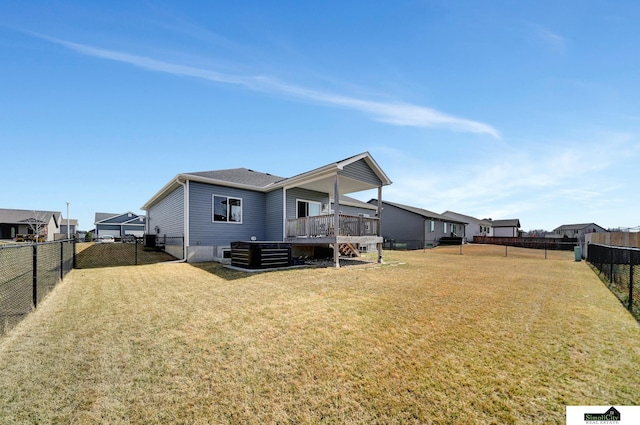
{"points": [[10, 216], [420, 211], [242, 176]]}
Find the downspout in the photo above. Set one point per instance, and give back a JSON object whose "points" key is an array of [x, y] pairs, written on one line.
{"points": [[284, 214], [185, 202], [380, 223], [336, 224]]}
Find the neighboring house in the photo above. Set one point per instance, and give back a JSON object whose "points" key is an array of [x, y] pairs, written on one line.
{"points": [[118, 225], [474, 227], [71, 223], [506, 228], [356, 208], [24, 224], [211, 209], [416, 228], [577, 230]]}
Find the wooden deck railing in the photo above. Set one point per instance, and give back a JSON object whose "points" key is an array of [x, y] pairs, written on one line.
{"points": [[323, 226]]}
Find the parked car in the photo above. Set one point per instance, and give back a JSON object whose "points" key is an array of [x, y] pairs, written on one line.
{"points": [[107, 239], [129, 239]]}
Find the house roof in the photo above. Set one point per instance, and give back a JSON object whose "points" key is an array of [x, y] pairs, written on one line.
{"points": [[575, 226], [106, 217], [242, 176], [319, 179], [420, 211], [467, 217], [512, 222], [11, 216], [353, 202], [71, 221]]}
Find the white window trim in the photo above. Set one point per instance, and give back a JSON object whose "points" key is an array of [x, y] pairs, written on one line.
{"points": [[309, 202], [213, 209]]}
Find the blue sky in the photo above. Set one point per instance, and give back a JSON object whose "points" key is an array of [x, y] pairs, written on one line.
{"points": [[500, 109]]}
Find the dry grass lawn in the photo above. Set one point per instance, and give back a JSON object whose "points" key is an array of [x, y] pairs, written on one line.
{"points": [[429, 337]]}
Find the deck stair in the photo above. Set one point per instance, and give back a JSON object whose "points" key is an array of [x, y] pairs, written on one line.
{"points": [[348, 250]]}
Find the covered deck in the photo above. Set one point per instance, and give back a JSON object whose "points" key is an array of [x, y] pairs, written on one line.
{"points": [[321, 229]]}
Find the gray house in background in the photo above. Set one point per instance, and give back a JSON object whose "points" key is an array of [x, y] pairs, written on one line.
{"points": [[118, 225], [577, 230], [71, 224], [509, 228], [212, 209], [416, 228], [22, 225], [474, 227]]}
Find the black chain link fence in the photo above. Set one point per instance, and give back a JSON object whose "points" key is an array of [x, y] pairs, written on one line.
{"points": [[129, 252], [28, 272], [617, 268]]}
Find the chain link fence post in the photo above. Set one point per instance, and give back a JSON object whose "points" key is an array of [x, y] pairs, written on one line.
{"points": [[35, 275]]}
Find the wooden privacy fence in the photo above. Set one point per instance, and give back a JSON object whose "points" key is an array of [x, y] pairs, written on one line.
{"points": [[565, 244]]}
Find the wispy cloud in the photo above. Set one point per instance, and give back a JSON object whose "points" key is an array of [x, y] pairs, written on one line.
{"points": [[394, 113], [550, 38], [542, 180]]}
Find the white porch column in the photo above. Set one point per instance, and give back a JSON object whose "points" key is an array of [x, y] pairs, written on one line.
{"points": [[336, 223]]}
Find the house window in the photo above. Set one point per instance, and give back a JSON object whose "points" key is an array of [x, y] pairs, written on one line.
{"points": [[227, 209], [307, 208], [432, 226], [453, 228], [444, 227]]}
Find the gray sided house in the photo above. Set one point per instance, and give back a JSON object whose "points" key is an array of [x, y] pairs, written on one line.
{"points": [[118, 225], [24, 225], [212, 209], [70, 225], [416, 228], [509, 228], [577, 230], [475, 226]]}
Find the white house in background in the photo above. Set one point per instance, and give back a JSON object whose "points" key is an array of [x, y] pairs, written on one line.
{"points": [[509, 228], [474, 227], [118, 225]]}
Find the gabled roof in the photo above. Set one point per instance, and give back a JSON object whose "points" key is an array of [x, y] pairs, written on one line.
{"points": [[71, 221], [106, 218], [575, 226], [419, 211], [512, 222], [353, 202], [467, 217], [319, 179], [11, 216], [241, 176]]}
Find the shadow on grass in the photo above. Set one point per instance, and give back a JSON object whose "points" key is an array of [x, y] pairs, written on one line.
{"points": [[228, 273]]}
